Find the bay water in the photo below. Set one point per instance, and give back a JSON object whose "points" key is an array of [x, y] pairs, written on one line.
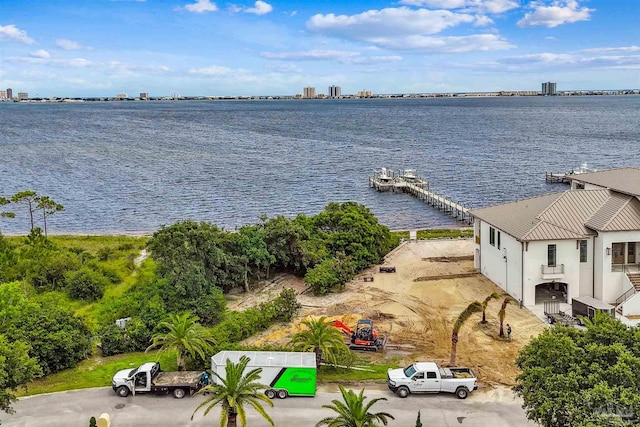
{"points": [[130, 167]]}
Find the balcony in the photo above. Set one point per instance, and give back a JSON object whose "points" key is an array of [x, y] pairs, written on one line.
{"points": [[550, 272]]}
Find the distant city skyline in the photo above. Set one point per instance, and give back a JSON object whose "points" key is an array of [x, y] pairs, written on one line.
{"points": [[200, 47]]}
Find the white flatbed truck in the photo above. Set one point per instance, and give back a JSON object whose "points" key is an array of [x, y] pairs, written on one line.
{"points": [[149, 378], [428, 377], [284, 373]]}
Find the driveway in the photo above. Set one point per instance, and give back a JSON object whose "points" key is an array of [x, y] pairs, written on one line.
{"points": [[497, 408]]}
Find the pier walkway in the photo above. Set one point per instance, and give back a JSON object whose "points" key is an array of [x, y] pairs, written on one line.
{"points": [[408, 181]]}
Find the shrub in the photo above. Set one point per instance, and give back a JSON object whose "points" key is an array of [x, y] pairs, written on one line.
{"points": [[137, 335], [112, 340], [85, 284]]}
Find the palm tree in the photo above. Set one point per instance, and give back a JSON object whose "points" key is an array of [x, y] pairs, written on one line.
{"points": [[184, 335], [321, 338], [474, 307], [234, 393], [503, 311], [354, 412], [485, 303]]}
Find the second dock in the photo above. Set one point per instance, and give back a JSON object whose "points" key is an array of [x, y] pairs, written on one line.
{"points": [[408, 181]]}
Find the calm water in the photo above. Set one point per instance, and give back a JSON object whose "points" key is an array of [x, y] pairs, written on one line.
{"points": [[130, 167]]}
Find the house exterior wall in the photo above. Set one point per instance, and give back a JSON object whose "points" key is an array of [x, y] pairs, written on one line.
{"points": [[490, 260], [567, 254], [586, 271], [609, 285]]}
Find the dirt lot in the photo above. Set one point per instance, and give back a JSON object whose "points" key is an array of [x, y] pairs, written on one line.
{"points": [[416, 307]]}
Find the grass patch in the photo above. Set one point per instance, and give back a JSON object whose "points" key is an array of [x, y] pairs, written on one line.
{"points": [[96, 372], [379, 374], [437, 233]]}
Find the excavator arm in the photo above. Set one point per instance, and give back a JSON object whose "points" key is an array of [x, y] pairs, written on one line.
{"points": [[338, 324]]}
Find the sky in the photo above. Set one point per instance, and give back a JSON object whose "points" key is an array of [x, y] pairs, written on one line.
{"points": [[73, 48]]}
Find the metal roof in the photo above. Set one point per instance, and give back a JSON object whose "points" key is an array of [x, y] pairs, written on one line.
{"points": [[291, 359], [622, 180], [572, 214]]}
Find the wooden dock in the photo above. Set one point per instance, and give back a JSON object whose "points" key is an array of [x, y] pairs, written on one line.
{"points": [[560, 178], [408, 181]]}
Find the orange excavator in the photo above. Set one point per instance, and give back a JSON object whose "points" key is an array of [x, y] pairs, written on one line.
{"points": [[365, 337]]}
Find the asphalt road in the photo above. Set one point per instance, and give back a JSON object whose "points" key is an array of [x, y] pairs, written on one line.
{"points": [[74, 408]]}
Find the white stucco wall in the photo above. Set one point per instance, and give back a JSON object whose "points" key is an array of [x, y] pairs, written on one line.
{"points": [[506, 273], [609, 284], [536, 256]]}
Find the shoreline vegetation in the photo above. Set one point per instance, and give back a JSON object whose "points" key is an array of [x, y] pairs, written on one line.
{"points": [[87, 281]]}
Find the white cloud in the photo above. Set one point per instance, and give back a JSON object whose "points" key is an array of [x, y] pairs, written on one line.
{"points": [[573, 61], [558, 13], [40, 54], [285, 68], [481, 6], [311, 55], [388, 22], [612, 49], [67, 44], [214, 70], [477, 42], [57, 62], [259, 8], [12, 33], [201, 6]]}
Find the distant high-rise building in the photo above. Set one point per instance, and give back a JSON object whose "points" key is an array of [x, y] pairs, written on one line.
{"points": [[3, 95], [309, 92], [9, 93], [144, 95], [22, 96], [334, 91], [365, 94], [121, 96], [549, 88]]}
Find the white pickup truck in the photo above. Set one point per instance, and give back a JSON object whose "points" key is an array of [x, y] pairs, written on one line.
{"points": [[428, 377], [149, 378]]}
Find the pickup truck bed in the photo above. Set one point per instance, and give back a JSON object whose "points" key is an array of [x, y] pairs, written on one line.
{"points": [[177, 378]]}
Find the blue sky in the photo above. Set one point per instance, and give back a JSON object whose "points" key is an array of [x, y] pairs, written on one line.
{"points": [[276, 47]]}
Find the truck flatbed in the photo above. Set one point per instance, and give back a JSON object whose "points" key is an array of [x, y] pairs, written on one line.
{"points": [[177, 378]]}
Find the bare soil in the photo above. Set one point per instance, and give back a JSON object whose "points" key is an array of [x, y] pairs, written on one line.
{"points": [[416, 307]]}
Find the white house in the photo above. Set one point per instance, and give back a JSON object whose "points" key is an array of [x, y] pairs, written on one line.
{"points": [[583, 242]]}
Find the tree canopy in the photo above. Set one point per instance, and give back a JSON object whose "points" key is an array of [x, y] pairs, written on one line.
{"points": [[582, 378]]}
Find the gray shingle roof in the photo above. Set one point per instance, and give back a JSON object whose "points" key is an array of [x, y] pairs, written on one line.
{"points": [[622, 180], [573, 214]]}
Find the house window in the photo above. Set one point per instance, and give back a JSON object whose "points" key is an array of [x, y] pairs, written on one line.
{"points": [[583, 251], [492, 236], [551, 255], [498, 240]]}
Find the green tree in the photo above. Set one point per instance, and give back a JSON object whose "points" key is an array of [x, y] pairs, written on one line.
{"points": [[354, 411], [6, 214], [503, 312], [16, 368], [48, 207], [235, 392], [474, 307], [58, 339], [321, 338], [184, 335], [112, 340], [28, 198], [582, 378], [85, 284]]}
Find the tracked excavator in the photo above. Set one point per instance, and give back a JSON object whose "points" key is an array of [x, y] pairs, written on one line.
{"points": [[364, 338]]}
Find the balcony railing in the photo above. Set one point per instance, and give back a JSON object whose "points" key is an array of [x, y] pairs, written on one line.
{"points": [[626, 268], [552, 271]]}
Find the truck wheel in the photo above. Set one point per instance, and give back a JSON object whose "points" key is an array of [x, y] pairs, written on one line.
{"points": [[282, 394], [271, 394], [462, 392], [123, 391], [179, 393], [403, 392]]}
